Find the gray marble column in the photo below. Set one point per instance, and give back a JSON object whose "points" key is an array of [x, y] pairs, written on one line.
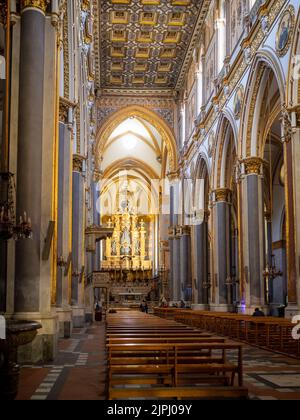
{"points": [[29, 188], [60, 224], [185, 264], [77, 223], [96, 216], [202, 269], [222, 211], [171, 279], [177, 290], [255, 257], [171, 241], [64, 202]]}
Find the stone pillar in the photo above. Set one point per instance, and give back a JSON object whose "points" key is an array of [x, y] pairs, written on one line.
{"points": [[290, 146], [268, 221], [177, 289], [202, 261], [185, 264], [222, 210], [30, 153], [78, 224], [291, 310], [254, 252], [64, 228], [35, 180], [171, 242], [96, 215]]}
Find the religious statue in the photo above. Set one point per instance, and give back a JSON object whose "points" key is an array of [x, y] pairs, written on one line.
{"points": [[125, 242], [113, 248]]}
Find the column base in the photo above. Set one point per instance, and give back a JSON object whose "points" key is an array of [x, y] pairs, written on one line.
{"points": [[200, 307], [78, 316], [65, 324], [291, 311], [44, 347]]}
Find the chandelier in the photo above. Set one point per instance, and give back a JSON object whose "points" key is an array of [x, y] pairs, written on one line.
{"points": [[271, 272], [9, 228]]}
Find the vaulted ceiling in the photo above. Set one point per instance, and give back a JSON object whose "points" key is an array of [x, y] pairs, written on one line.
{"points": [[147, 44]]}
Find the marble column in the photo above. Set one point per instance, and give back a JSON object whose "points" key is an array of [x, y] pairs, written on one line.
{"points": [[268, 221], [177, 287], [202, 259], [171, 242], [77, 239], [289, 138], [254, 255], [64, 224], [222, 246], [185, 264], [30, 154], [35, 180], [291, 310], [96, 215]]}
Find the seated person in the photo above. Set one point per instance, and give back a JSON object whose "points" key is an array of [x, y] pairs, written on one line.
{"points": [[258, 312]]}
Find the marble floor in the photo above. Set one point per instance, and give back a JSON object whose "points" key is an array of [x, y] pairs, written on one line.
{"points": [[79, 372]]}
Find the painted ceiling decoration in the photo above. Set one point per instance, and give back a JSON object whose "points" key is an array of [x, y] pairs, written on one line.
{"points": [[147, 44]]}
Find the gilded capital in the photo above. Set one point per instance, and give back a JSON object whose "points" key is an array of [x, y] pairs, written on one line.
{"points": [[35, 4], [64, 106], [97, 175], [222, 194], [253, 165], [78, 163]]}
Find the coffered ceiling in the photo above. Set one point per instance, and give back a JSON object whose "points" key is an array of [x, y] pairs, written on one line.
{"points": [[147, 44]]}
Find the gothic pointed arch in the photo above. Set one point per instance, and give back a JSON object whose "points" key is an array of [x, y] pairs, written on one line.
{"points": [[167, 134]]}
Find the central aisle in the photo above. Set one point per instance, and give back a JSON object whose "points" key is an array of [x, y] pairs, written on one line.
{"points": [[80, 371]]}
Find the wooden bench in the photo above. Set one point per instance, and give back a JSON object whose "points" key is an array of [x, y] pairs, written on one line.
{"points": [[172, 363], [269, 333]]}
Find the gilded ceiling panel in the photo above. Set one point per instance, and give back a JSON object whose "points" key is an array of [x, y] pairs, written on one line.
{"points": [[144, 43]]}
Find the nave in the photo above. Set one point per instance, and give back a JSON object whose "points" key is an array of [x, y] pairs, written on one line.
{"points": [[83, 359]]}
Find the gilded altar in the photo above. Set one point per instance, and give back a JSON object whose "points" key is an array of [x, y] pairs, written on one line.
{"points": [[126, 249]]}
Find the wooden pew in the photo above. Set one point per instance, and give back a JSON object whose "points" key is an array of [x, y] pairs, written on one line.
{"points": [[172, 363]]}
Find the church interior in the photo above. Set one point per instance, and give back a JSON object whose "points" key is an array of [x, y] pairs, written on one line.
{"points": [[149, 199]]}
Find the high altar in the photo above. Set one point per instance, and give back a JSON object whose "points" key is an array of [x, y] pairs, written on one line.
{"points": [[126, 257]]}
